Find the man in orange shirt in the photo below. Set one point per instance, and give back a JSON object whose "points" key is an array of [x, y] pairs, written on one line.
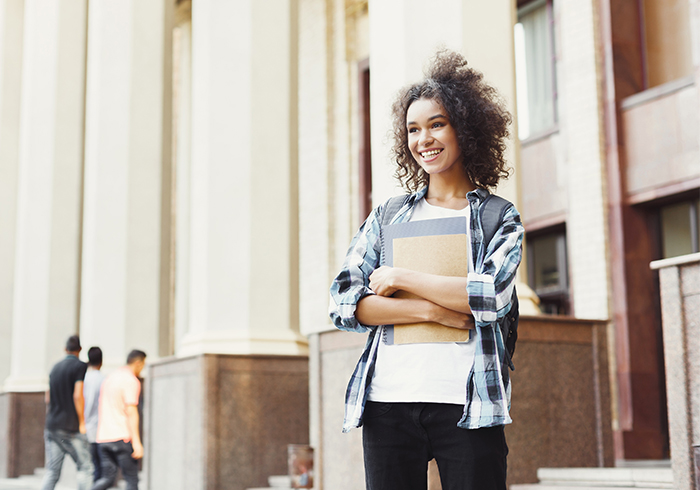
{"points": [[118, 437]]}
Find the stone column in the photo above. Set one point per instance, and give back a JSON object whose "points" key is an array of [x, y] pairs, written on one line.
{"points": [[41, 155], [580, 98], [11, 27], [182, 119], [243, 296], [680, 307], [126, 150], [242, 356], [47, 253], [394, 26]]}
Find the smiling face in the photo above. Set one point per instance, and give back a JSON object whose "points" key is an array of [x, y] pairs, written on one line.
{"points": [[432, 140]]}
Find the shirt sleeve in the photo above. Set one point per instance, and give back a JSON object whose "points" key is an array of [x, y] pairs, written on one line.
{"points": [[80, 371], [490, 286], [132, 391], [352, 282]]}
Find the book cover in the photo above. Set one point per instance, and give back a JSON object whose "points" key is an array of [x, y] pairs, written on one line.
{"points": [[436, 246]]}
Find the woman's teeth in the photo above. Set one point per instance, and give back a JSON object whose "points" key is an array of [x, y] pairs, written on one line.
{"points": [[430, 153]]}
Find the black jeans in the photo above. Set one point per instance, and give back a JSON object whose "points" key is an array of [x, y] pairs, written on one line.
{"points": [[113, 454], [399, 440]]}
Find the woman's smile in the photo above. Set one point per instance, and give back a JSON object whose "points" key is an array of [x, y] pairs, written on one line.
{"points": [[430, 155]]}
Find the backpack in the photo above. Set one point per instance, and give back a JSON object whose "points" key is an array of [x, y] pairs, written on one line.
{"points": [[491, 214]]}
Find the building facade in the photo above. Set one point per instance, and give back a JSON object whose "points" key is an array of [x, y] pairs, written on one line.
{"points": [[184, 177]]}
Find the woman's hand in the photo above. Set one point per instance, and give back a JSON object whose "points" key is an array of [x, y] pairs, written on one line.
{"points": [[451, 318], [383, 280]]}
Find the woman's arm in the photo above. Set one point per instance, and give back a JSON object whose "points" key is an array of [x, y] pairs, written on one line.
{"points": [[491, 286], [448, 292], [381, 310], [352, 282]]}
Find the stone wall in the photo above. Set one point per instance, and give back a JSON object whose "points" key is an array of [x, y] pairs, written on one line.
{"points": [[222, 421], [680, 306], [21, 433]]}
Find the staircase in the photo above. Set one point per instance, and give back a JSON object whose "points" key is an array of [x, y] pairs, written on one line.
{"points": [[648, 477], [276, 483]]}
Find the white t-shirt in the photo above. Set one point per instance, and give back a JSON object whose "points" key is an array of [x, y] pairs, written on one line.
{"points": [[91, 393], [432, 373]]}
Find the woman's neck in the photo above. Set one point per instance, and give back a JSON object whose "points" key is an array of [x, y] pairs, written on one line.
{"points": [[449, 193]]}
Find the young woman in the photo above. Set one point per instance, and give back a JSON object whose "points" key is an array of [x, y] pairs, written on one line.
{"points": [[447, 401]]}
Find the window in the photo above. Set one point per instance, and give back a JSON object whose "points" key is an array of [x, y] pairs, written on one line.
{"points": [[547, 271], [534, 68], [667, 41], [680, 224]]}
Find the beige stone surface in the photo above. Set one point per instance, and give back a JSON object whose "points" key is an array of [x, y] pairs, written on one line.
{"points": [[224, 422], [47, 248], [581, 112], [680, 303], [661, 138], [127, 131], [11, 31]]}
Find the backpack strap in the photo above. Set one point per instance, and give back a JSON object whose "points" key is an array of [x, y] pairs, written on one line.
{"points": [[392, 207], [491, 214]]}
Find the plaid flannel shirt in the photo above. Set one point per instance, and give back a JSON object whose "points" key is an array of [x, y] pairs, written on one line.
{"points": [[489, 287]]}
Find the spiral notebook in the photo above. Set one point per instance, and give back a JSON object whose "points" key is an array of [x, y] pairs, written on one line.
{"points": [[435, 246]]}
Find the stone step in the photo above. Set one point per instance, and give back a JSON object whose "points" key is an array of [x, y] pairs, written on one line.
{"points": [[281, 482], [651, 478], [581, 486]]}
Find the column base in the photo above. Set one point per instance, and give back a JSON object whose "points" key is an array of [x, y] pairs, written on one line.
{"points": [[25, 384], [528, 300], [223, 421], [21, 433], [213, 342]]}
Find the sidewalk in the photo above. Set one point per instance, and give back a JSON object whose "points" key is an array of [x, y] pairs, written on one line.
{"points": [[29, 482], [67, 482], [33, 482]]}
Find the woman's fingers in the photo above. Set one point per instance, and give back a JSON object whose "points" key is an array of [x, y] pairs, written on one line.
{"points": [[381, 281], [451, 318]]}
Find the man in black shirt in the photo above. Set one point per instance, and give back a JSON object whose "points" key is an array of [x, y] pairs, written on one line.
{"points": [[65, 426]]}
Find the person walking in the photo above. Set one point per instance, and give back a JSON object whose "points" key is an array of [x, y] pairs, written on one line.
{"points": [[118, 439], [64, 431], [91, 393], [448, 401]]}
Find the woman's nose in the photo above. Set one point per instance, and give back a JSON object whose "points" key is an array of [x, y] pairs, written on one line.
{"points": [[425, 138]]}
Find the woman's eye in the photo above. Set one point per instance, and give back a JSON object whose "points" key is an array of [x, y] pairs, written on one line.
{"points": [[412, 130], [438, 125]]}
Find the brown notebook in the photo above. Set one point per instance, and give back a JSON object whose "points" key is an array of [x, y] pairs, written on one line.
{"points": [[434, 246]]}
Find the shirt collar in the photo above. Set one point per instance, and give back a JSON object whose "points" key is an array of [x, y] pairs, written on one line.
{"points": [[478, 194]]}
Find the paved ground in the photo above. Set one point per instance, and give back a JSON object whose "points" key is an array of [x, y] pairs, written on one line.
{"points": [[28, 483], [34, 483], [67, 481]]}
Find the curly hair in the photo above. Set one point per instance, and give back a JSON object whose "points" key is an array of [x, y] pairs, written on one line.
{"points": [[475, 111]]}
